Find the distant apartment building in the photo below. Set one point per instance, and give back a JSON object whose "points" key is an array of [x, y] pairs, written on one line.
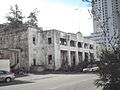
{"points": [[97, 37], [29, 47], [106, 19]]}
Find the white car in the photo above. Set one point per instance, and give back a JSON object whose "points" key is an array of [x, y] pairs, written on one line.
{"points": [[6, 76], [86, 69], [94, 68], [91, 68]]}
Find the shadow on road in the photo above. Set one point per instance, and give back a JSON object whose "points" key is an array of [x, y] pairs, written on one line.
{"points": [[15, 82], [24, 75], [62, 72]]}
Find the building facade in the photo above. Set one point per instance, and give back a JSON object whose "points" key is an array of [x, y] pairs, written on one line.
{"points": [[106, 20], [14, 46], [52, 49]]}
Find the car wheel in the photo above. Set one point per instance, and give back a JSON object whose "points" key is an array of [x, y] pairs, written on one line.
{"points": [[8, 79]]}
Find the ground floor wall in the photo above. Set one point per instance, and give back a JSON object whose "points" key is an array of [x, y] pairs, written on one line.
{"points": [[72, 57], [53, 59], [18, 59]]}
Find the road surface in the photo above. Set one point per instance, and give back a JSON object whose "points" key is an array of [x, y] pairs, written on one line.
{"points": [[52, 82]]}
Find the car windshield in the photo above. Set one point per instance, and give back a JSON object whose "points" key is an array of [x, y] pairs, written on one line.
{"points": [[89, 66], [5, 72], [94, 65]]}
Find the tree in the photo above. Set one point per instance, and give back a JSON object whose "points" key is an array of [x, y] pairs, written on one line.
{"points": [[15, 17], [32, 18], [109, 66], [109, 71]]}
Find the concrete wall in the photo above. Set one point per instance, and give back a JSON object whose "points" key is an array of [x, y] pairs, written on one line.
{"points": [[34, 48], [14, 45], [41, 49], [76, 38], [48, 48]]}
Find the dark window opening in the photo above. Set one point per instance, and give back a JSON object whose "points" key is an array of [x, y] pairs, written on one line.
{"points": [[91, 46], [49, 41], [80, 57], [72, 43], [73, 58], [92, 57], [17, 60], [86, 56], [64, 58], [79, 44], [16, 55], [63, 41], [86, 45], [34, 62], [33, 40], [49, 59]]}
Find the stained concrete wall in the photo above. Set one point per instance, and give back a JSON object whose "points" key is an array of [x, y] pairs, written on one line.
{"points": [[41, 49], [48, 48], [33, 47], [77, 38], [15, 42]]}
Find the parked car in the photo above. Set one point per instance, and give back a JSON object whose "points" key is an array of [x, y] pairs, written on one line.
{"points": [[87, 69], [94, 68], [91, 68], [6, 76]]}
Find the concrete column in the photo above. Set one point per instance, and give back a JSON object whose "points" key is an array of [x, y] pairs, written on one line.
{"points": [[69, 58], [88, 46], [76, 54], [68, 43], [57, 62], [76, 58], [83, 45], [83, 56]]}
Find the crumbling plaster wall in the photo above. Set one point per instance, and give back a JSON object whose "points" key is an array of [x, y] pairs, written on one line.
{"points": [[41, 49], [16, 41], [47, 48], [77, 38], [34, 46]]}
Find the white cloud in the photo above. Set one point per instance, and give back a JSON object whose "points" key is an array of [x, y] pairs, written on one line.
{"points": [[53, 15]]}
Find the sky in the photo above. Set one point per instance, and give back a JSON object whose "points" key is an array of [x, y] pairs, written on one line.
{"points": [[64, 15]]}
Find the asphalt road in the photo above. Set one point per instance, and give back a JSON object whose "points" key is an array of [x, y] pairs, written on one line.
{"points": [[52, 82]]}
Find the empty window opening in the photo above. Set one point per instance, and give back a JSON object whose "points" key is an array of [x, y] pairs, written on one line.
{"points": [[73, 59], [79, 44], [49, 40], [91, 46], [86, 56], [72, 43], [63, 41], [80, 57], [33, 40], [92, 57], [86, 45], [64, 58], [34, 62], [49, 59]]}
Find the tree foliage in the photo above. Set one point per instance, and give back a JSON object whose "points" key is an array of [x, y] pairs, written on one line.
{"points": [[15, 18], [109, 66], [32, 18], [109, 71]]}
